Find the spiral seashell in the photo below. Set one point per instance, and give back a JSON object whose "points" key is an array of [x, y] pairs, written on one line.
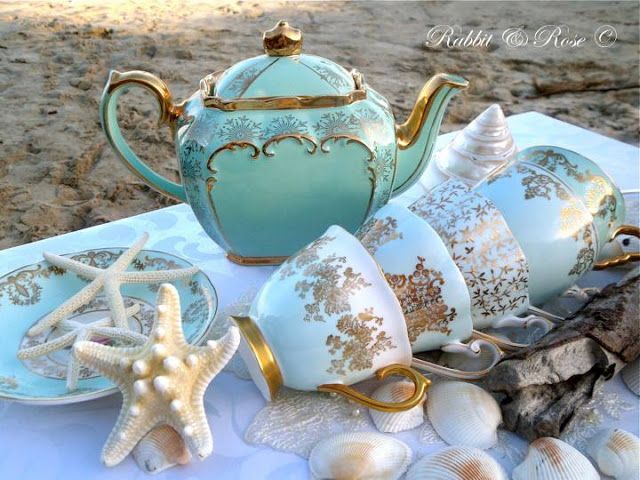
{"points": [[457, 463], [631, 376], [616, 453], [395, 392], [359, 455], [552, 459], [464, 414], [483, 146], [160, 449]]}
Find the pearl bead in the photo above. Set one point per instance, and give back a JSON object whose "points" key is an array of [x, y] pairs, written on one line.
{"points": [[171, 363], [161, 384], [159, 350], [140, 387], [188, 430], [160, 333], [134, 411], [191, 359], [175, 405]]}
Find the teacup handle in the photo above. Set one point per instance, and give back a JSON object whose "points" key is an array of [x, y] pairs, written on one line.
{"points": [[470, 349], [118, 84], [624, 258], [419, 381]]}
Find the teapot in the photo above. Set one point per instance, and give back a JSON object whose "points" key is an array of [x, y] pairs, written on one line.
{"points": [[278, 147]]}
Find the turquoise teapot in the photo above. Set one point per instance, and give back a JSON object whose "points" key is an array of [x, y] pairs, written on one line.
{"points": [[278, 147]]}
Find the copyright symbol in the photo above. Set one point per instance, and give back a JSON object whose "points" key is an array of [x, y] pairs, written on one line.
{"points": [[605, 36], [515, 37]]}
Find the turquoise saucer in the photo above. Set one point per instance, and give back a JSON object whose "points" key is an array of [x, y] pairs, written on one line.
{"points": [[31, 292]]}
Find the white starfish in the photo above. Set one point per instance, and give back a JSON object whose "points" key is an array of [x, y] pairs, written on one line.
{"points": [[162, 382], [77, 332], [108, 279]]}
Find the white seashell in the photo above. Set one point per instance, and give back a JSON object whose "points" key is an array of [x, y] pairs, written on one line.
{"points": [[464, 414], [160, 449], [395, 392], [631, 376], [457, 463], [359, 455], [552, 459], [616, 453], [483, 146]]}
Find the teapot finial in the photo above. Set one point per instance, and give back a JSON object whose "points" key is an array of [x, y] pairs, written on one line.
{"points": [[282, 40]]}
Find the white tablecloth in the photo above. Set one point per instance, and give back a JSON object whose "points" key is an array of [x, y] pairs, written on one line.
{"points": [[65, 441]]}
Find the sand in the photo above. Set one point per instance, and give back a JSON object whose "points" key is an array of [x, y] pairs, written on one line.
{"points": [[58, 174]]}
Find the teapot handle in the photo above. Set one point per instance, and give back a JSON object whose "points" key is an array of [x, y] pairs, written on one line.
{"points": [[117, 84], [419, 381], [625, 258]]}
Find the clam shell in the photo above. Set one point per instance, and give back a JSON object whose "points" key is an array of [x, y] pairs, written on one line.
{"points": [[552, 459], [160, 449], [395, 392], [616, 453], [457, 463], [359, 455], [483, 146], [631, 376], [464, 414]]}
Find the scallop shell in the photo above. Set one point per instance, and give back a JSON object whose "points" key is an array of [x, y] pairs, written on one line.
{"points": [[552, 459], [160, 449], [631, 376], [359, 455], [616, 453], [457, 463], [464, 414], [483, 146], [395, 392]]}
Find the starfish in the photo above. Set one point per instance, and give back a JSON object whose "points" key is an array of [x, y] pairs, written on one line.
{"points": [[108, 279], [73, 331], [162, 382]]}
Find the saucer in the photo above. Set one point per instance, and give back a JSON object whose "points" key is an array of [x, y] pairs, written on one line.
{"points": [[31, 292]]}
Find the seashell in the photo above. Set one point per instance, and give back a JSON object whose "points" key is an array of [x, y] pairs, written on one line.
{"points": [[482, 147], [552, 459], [631, 376], [464, 414], [616, 453], [457, 463], [359, 455], [160, 449], [395, 392]]}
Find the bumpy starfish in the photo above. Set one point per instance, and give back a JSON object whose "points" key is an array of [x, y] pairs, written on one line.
{"points": [[162, 382], [78, 332], [108, 279]]}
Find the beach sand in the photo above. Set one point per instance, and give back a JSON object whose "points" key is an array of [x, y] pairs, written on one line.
{"points": [[58, 174]]}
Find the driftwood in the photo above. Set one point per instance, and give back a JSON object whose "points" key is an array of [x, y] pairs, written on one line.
{"points": [[541, 388]]}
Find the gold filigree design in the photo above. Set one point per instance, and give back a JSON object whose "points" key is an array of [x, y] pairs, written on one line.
{"points": [[21, 287], [299, 137], [420, 295], [377, 232], [586, 255], [8, 382], [553, 161], [360, 342], [306, 256], [481, 245], [540, 185], [331, 284]]}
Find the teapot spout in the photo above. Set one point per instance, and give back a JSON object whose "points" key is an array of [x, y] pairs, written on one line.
{"points": [[416, 136]]}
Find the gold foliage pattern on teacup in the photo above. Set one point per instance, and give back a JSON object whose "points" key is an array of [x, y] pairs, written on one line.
{"points": [[420, 295], [599, 197], [378, 231], [331, 283], [360, 343], [574, 219], [481, 245]]}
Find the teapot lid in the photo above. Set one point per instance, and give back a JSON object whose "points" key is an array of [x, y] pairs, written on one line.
{"points": [[283, 72]]}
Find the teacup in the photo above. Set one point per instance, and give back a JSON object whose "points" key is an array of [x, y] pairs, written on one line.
{"points": [[554, 228], [327, 319], [596, 190], [485, 250], [587, 181]]}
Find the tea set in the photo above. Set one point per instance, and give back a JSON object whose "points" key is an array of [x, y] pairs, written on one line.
{"points": [[290, 159]]}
